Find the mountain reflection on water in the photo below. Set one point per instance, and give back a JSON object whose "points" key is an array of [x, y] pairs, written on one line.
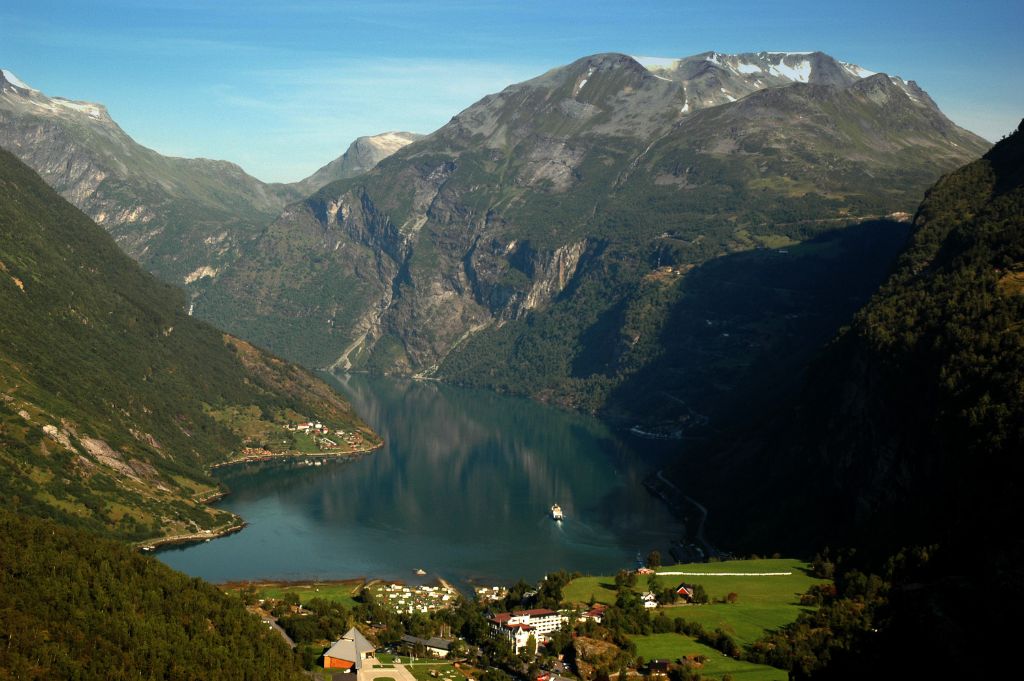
{"points": [[462, 488]]}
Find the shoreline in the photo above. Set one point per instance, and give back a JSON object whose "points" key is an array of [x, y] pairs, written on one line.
{"points": [[286, 583], [293, 455], [152, 545], [239, 524]]}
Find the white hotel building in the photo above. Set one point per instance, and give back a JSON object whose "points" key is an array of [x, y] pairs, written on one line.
{"points": [[516, 627]]}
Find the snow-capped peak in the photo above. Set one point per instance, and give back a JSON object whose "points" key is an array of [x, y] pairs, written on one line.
{"points": [[15, 81], [35, 99], [657, 63], [856, 71]]}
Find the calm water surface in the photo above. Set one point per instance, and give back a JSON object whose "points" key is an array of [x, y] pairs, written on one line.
{"points": [[462, 489]]}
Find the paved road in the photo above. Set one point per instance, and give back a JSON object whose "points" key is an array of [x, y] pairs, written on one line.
{"points": [[274, 625]]}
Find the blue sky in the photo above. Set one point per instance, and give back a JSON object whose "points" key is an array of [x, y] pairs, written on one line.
{"points": [[282, 86]]}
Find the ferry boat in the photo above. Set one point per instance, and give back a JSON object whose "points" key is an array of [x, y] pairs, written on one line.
{"points": [[556, 512]]}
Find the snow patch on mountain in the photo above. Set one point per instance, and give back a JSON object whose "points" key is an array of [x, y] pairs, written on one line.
{"points": [[800, 73], [579, 86], [744, 67], [390, 142], [857, 71], [90, 110], [15, 81], [715, 58]]}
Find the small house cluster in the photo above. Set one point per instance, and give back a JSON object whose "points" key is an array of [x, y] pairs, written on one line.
{"points": [[517, 627], [320, 432], [409, 599], [491, 593], [310, 428]]}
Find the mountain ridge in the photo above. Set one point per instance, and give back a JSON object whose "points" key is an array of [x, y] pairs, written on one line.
{"points": [[532, 219], [184, 219]]}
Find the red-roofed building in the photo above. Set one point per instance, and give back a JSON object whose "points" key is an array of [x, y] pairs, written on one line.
{"points": [[594, 614]]}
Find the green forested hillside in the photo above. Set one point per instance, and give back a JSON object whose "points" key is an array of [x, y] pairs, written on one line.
{"points": [[73, 606], [904, 450], [911, 422], [111, 397]]}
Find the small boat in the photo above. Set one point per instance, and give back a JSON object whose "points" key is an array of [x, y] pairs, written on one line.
{"points": [[556, 512], [420, 571]]}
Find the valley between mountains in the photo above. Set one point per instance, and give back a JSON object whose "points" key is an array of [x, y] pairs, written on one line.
{"points": [[795, 278]]}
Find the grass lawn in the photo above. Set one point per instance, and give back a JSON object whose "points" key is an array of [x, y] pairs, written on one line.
{"points": [[674, 646], [765, 602], [445, 672], [579, 591], [744, 622], [339, 592]]}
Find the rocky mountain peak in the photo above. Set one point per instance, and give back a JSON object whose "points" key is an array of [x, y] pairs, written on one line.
{"points": [[714, 78], [883, 87], [767, 68], [360, 157], [22, 96], [9, 80]]}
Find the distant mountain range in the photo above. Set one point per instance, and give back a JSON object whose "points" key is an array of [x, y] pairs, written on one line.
{"points": [[539, 242], [185, 220], [113, 401]]}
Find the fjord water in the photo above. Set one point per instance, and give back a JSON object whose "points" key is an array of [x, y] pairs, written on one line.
{"points": [[461, 489]]}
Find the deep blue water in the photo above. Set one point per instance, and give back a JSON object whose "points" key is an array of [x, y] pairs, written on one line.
{"points": [[462, 489]]}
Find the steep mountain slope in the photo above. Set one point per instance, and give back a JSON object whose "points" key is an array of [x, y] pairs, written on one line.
{"points": [[112, 399], [361, 156], [910, 427], [74, 606], [182, 219], [519, 246]]}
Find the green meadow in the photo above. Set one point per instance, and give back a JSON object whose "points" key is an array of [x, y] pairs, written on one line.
{"points": [[342, 592], [762, 602], [675, 646]]}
